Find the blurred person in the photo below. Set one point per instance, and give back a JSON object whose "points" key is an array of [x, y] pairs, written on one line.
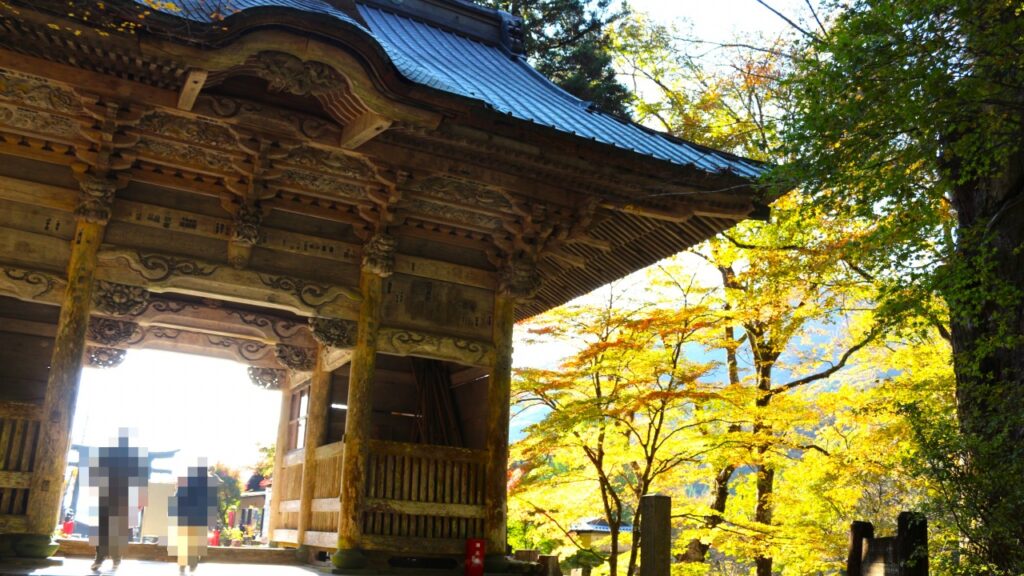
{"points": [[192, 511], [120, 474]]}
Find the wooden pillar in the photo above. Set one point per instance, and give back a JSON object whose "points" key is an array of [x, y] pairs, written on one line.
{"points": [[277, 488], [316, 431], [656, 535], [47, 485], [498, 399], [859, 531], [357, 422]]}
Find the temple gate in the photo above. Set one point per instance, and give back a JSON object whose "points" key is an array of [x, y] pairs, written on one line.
{"points": [[357, 199]]}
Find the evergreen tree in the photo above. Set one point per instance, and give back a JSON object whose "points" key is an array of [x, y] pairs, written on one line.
{"points": [[566, 40]]}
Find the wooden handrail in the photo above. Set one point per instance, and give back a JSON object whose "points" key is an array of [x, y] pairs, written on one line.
{"points": [[431, 451], [21, 411]]}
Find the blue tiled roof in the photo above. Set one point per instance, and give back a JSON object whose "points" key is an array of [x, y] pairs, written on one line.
{"points": [[444, 60]]}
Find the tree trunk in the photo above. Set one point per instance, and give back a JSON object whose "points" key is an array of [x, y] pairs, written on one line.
{"points": [[696, 551], [763, 509], [986, 301]]}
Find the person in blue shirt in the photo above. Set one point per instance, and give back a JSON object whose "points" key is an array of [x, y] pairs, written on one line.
{"points": [[192, 510]]}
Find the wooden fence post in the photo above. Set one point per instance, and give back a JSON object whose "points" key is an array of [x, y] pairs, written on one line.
{"points": [[656, 535]]}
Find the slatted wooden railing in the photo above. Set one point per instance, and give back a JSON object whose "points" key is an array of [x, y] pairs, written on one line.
{"points": [[19, 434], [419, 498], [423, 498], [288, 488]]}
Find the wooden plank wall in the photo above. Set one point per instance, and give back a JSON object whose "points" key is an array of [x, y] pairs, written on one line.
{"points": [[418, 493], [19, 434]]}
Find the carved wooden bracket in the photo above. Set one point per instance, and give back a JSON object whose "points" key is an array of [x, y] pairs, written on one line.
{"points": [[379, 255], [267, 378], [102, 357], [334, 333]]}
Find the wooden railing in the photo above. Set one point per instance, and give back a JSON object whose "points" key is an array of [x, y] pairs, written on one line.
{"points": [[419, 498], [423, 498], [19, 435]]}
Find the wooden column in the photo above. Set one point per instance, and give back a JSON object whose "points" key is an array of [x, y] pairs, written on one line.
{"points": [[277, 488], [47, 486], [316, 431], [357, 423], [498, 399]]}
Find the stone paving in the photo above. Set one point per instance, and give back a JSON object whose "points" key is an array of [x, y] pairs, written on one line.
{"points": [[80, 567]]}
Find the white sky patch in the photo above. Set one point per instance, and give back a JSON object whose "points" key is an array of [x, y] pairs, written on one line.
{"points": [[204, 407]]}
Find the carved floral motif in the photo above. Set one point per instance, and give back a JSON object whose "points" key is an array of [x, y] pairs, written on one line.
{"points": [[103, 357], [296, 357], [286, 73], [334, 333], [120, 299], [110, 332], [267, 378]]}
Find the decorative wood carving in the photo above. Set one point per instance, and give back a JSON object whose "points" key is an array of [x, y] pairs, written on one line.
{"points": [[103, 357], [96, 198], [428, 345], [109, 332], [38, 93], [379, 255], [161, 272], [334, 163], [286, 73], [276, 120], [31, 285], [120, 299], [334, 333], [189, 130], [519, 278], [295, 357], [267, 378]]}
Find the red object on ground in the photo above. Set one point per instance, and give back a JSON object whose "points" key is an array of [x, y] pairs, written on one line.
{"points": [[474, 557], [68, 527], [214, 539]]}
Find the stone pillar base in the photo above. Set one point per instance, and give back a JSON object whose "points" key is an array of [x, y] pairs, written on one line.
{"points": [[351, 559]]}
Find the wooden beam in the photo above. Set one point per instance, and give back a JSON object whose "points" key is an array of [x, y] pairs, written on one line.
{"points": [[316, 431], [362, 129], [169, 273], [20, 411], [62, 385], [294, 457], [15, 479], [190, 90], [357, 424], [13, 524], [286, 536], [291, 506], [412, 508], [496, 441], [15, 326]]}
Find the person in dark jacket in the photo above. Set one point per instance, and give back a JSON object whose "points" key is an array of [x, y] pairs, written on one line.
{"points": [[192, 510], [121, 475]]}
